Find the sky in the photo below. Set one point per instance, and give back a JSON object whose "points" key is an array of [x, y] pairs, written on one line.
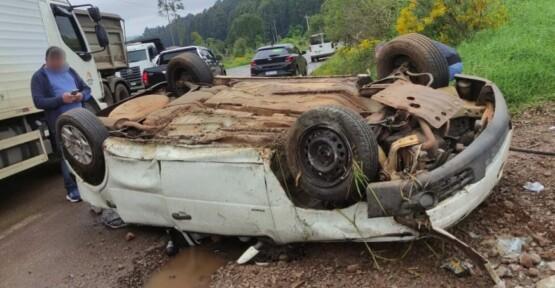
{"points": [[139, 14]]}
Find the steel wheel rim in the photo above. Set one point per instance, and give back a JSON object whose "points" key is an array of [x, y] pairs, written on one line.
{"points": [[76, 144], [325, 155]]}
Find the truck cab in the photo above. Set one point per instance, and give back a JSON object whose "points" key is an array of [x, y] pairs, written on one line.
{"points": [[141, 56], [28, 29]]}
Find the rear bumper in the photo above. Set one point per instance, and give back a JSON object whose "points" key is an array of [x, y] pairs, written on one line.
{"points": [[283, 70]]}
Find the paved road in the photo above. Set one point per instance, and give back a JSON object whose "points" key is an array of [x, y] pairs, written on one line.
{"points": [[245, 71], [47, 242]]}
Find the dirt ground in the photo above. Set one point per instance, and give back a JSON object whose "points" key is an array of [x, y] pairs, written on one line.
{"points": [[510, 211], [47, 242]]}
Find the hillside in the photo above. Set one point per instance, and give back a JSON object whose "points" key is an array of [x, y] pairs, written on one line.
{"points": [[519, 57], [229, 20]]}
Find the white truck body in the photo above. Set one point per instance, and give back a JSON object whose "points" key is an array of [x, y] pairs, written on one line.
{"points": [[320, 47], [141, 56], [27, 29]]}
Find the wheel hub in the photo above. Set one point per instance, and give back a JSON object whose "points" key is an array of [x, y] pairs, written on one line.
{"points": [[76, 144], [325, 155]]}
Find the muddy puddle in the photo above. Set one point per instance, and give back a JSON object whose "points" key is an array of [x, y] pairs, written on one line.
{"points": [[193, 266]]}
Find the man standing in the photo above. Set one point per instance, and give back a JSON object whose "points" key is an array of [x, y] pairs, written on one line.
{"points": [[57, 88]]}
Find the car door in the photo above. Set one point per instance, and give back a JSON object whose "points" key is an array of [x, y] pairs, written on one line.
{"points": [[210, 60], [218, 192]]}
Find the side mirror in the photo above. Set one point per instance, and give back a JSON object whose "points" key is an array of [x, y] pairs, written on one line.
{"points": [[94, 12], [102, 36]]}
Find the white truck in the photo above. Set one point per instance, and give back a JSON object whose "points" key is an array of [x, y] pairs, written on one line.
{"points": [[111, 60], [320, 47], [27, 29], [141, 55]]}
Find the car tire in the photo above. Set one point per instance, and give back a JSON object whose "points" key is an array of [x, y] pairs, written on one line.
{"points": [[187, 67], [420, 53], [80, 135], [121, 93], [321, 150]]}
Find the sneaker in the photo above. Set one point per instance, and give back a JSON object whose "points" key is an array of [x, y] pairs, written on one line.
{"points": [[110, 218], [73, 197]]}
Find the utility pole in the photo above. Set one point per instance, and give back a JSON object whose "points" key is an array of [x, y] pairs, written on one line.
{"points": [[307, 23]]}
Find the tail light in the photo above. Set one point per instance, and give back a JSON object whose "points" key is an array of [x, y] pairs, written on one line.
{"points": [[253, 64], [145, 78], [290, 59]]}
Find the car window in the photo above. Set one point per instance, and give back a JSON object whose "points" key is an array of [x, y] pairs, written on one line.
{"points": [[206, 54], [70, 32], [136, 56], [273, 52], [167, 57]]}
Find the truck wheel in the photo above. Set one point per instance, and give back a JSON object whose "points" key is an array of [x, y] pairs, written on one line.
{"points": [[81, 135], [121, 93], [421, 55], [108, 96], [332, 154], [187, 67]]}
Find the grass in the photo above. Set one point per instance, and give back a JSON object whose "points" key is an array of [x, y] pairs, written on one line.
{"points": [[232, 62], [349, 61], [519, 57]]}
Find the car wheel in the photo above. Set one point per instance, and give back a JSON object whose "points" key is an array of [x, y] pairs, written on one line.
{"points": [[332, 154], [81, 135], [312, 59], [419, 53], [121, 93], [184, 68]]}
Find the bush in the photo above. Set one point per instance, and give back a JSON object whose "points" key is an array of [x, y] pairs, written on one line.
{"points": [[352, 21], [451, 21], [352, 60]]}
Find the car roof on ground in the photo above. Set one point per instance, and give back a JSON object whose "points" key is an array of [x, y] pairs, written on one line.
{"points": [[276, 46]]}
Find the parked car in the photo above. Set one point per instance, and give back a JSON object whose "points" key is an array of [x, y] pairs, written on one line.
{"points": [[279, 60], [154, 75], [298, 159], [320, 47]]}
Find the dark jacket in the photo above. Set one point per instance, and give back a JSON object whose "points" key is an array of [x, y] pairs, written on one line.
{"points": [[449, 53], [44, 98]]}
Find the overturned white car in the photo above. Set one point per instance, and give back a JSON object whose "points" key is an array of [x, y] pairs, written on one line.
{"points": [[297, 159]]}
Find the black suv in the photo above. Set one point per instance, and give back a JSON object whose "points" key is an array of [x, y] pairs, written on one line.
{"points": [[157, 74], [279, 60]]}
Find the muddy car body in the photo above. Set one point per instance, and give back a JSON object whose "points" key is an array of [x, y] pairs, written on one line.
{"points": [[218, 158]]}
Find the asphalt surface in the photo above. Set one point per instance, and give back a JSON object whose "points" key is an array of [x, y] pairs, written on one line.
{"points": [[245, 71], [46, 241]]}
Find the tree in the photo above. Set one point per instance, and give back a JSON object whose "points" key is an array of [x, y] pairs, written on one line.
{"points": [[451, 21], [197, 39], [240, 47], [248, 27], [170, 9], [355, 20]]}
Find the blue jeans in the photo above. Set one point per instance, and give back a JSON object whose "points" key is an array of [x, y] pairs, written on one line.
{"points": [[69, 182], [456, 68]]}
